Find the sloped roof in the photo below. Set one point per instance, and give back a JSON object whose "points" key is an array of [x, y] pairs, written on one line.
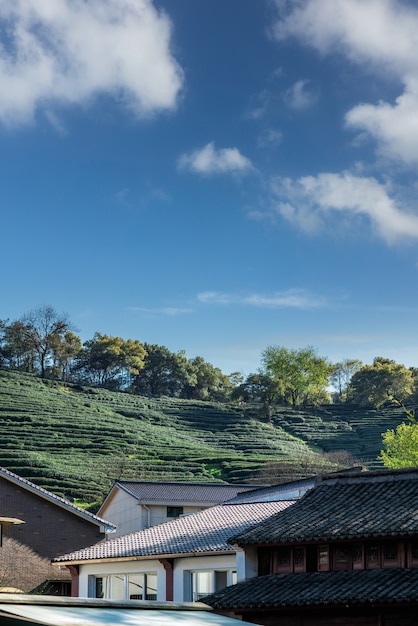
{"points": [[202, 532], [180, 492], [51, 497], [380, 504], [284, 491], [314, 589]]}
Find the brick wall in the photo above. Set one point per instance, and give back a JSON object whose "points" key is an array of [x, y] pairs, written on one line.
{"points": [[49, 530]]}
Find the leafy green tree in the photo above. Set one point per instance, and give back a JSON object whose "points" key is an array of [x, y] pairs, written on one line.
{"points": [[401, 446], [301, 375], [111, 361], [164, 373], [65, 350], [259, 388], [17, 350], [383, 381], [342, 374], [206, 382]]}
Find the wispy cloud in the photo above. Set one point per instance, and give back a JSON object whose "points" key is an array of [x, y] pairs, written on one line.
{"points": [[270, 137], [68, 52], [209, 160], [56, 123], [308, 202], [170, 311], [292, 298], [300, 96]]}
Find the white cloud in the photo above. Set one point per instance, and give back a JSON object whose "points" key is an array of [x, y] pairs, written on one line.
{"points": [[56, 123], [308, 200], [69, 51], [300, 96], [209, 160], [378, 35], [394, 126], [270, 137], [292, 298], [169, 311]]}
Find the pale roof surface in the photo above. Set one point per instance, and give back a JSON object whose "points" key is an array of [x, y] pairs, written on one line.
{"points": [[149, 492], [55, 611], [202, 532]]}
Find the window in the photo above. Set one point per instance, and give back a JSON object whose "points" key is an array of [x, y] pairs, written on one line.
{"points": [[174, 511], [373, 556], [207, 581], [341, 557], [323, 558], [413, 554], [358, 556], [283, 560], [126, 586]]}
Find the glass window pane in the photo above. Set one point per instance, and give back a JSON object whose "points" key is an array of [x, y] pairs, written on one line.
{"points": [[221, 580], [135, 586], [151, 587], [117, 587], [201, 584]]}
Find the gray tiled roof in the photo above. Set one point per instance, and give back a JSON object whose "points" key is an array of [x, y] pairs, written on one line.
{"points": [[214, 493], [367, 505], [313, 589], [51, 497], [202, 532]]}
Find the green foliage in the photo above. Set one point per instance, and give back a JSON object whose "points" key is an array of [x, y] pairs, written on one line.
{"points": [[107, 361], [384, 381], [301, 375], [206, 382], [77, 440], [259, 388], [164, 373], [401, 446]]}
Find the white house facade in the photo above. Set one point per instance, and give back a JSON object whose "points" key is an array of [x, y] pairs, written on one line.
{"points": [[181, 560], [135, 505]]}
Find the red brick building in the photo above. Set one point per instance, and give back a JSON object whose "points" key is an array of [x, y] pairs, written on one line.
{"points": [[51, 527]]}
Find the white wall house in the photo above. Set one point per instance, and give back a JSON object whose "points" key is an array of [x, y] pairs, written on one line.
{"points": [[180, 560], [135, 505]]}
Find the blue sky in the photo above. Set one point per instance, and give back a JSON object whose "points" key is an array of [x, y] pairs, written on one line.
{"points": [[214, 176]]}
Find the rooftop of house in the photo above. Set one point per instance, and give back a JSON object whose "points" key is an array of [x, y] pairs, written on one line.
{"points": [[148, 492], [203, 532], [343, 507], [313, 589], [51, 497], [283, 491]]}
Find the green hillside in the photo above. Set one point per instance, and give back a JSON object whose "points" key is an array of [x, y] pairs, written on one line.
{"points": [[75, 441]]}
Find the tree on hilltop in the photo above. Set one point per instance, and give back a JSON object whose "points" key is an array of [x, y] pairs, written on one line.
{"points": [[301, 375], [110, 361], [341, 376], [383, 381]]}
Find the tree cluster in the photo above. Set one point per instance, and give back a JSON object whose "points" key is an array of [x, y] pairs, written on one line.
{"points": [[45, 343]]}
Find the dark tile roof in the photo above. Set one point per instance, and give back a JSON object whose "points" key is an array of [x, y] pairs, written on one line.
{"points": [[381, 504], [202, 532], [313, 589], [213, 493], [51, 497]]}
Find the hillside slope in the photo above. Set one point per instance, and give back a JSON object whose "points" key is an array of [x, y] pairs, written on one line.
{"points": [[75, 441]]}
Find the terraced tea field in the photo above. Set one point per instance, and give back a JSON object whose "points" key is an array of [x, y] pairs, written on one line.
{"points": [[75, 441]]}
